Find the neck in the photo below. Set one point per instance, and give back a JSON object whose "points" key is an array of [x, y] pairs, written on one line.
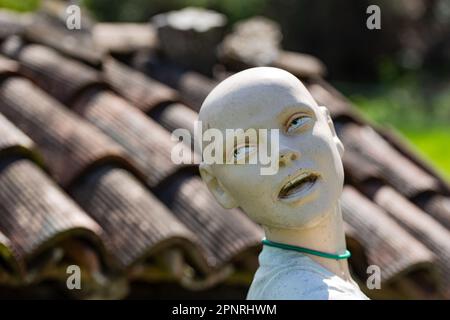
{"points": [[326, 236]]}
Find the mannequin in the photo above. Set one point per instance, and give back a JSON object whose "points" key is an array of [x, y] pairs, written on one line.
{"points": [[299, 205]]}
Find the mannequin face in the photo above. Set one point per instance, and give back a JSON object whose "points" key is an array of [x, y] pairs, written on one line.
{"points": [[310, 176]]}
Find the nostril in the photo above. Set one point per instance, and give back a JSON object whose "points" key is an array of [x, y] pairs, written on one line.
{"points": [[287, 158], [293, 156]]}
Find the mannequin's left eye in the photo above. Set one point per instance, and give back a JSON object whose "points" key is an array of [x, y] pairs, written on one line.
{"points": [[243, 151], [297, 122]]}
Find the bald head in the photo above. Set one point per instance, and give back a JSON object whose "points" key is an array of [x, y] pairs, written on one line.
{"points": [[249, 93]]}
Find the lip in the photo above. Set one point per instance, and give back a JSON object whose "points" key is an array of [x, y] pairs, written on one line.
{"points": [[298, 186]]}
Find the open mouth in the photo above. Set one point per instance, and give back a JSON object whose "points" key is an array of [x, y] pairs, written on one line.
{"points": [[298, 185]]}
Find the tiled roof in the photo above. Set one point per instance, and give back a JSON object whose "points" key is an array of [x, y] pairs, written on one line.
{"points": [[86, 176]]}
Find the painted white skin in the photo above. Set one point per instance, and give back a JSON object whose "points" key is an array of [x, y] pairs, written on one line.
{"points": [[309, 215]]}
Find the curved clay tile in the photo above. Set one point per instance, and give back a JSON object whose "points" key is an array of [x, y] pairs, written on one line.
{"points": [[403, 147], [192, 87], [386, 243], [176, 116], [327, 96], [437, 205], [69, 145], [301, 65], [11, 268], [8, 67], [146, 142], [217, 228], [358, 261], [12, 23], [74, 43], [136, 223], [424, 228], [357, 168], [397, 170], [36, 214], [144, 92], [15, 142], [61, 77]]}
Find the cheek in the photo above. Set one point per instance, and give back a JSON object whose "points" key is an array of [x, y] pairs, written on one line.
{"points": [[245, 182], [323, 149]]}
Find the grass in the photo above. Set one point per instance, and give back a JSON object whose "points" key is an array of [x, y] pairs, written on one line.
{"points": [[20, 5], [420, 115]]}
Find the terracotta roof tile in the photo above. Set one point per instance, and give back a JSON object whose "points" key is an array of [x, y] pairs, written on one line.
{"points": [[386, 243], [326, 96], [192, 86], [78, 44], [12, 23], [301, 65], [136, 223], [10, 269], [436, 205], [146, 142], [15, 142], [430, 232], [397, 170], [144, 92], [229, 230], [69, 145], [7, 67], [47, 68], [176, 116], [36, 214]]}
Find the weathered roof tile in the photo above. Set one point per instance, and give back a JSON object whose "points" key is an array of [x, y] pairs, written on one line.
{"points": [[144, 92], [35, 212], [68, 144], [427, 230], [216, 227], [386, 243], [146, 142], [47, 68], [136, 223], [397, 170]]}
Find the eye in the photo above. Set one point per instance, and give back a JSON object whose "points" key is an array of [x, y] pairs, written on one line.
{"points": [[297, 122], [243, 151]]}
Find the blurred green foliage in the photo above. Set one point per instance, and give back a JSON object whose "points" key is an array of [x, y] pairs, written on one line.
{"points": [[20, 5]]}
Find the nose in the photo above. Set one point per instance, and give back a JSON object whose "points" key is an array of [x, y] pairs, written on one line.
{"points": [[287, 156]]}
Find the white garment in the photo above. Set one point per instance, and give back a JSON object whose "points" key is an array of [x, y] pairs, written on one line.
{"points": [[290, 275]]}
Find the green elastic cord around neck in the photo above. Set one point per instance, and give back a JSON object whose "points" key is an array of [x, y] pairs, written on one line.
{"points": [[345, 255]]}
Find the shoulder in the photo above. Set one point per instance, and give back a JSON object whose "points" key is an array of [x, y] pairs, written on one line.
{"points": [[295, 283]]}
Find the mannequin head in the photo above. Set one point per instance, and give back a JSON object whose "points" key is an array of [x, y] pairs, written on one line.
{"points": [[310, 176]]}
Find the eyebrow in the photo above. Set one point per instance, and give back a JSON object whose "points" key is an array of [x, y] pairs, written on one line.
{"points": [[287, 111]]}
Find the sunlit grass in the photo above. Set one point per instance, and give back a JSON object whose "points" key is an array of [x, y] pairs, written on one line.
{"points": [[434, 144], [424, 122], [20, 5]]}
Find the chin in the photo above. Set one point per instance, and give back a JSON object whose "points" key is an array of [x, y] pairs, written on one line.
{"points": [[307, 211]]}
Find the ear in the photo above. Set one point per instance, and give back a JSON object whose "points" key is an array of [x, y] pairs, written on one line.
{"points": [[222, 196], [336, 139]]}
